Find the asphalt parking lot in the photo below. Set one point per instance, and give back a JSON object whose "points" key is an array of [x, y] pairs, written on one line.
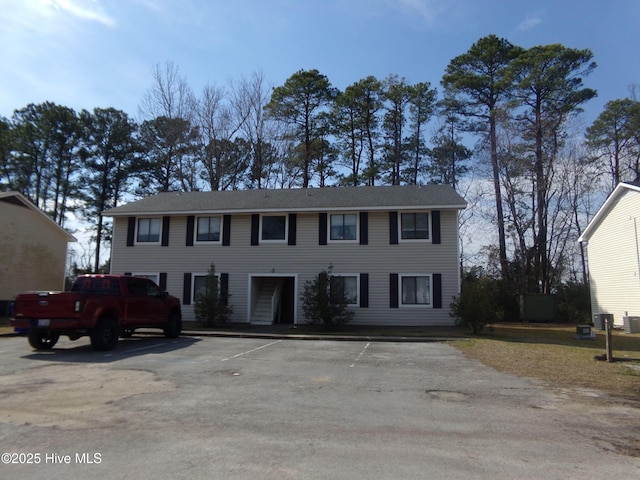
{"points": [[246, 408]]}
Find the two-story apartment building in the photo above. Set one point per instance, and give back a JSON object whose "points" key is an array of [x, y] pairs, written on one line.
{"points": [[394, 249]]}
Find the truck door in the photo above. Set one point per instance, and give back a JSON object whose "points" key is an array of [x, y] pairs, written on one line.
{"points": [[155, 303], [136, 301]]}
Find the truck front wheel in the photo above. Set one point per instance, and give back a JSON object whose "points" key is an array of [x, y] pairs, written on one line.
{"points": [[173, 328], [42, 339], [105, 335]]}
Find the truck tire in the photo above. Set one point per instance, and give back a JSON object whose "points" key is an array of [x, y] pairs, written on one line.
{"points": [[105, 335], [173, 328], [42, 339]]}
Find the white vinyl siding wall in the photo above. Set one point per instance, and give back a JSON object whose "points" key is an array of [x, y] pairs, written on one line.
{"points": [[613, 260], [304, 260]]}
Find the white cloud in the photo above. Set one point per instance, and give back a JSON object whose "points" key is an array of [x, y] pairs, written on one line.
{"points": [[428, 10], [89, 10], [531, 21]]}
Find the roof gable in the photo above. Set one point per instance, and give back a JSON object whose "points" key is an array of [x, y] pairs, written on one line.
{"points": [[16, 198], [621, 189], [296, 200]]}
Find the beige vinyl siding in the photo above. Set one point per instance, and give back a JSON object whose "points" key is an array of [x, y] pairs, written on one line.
{"points": [[33, 252], [613, 260], [303, 260]]}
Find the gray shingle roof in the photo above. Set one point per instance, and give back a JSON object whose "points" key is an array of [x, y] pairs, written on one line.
{"points": [[296, 200]]}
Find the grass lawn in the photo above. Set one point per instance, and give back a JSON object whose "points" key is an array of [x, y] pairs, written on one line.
{"points": [[550, 353]]}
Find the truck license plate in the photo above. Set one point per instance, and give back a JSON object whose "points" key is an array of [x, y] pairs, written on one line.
{"points": [[43, 322]]}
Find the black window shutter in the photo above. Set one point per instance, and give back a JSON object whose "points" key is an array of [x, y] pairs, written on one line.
{"points": [[364, 228], [437, 290], [364, 290], [226, 230], [322, 229], [190, 227], [186, 289], [131, 231], [393, 290], [435, 226], [292, 229], [393, 228], [255, 228], [224, 288], [163, 281], [166, 221]]}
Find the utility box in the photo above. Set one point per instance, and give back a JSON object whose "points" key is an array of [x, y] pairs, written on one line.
{"points": [[535, 307], [583, 332], [600, 319], [631, 324]]}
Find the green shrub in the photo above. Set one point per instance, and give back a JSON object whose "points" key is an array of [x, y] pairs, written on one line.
{"points": [[478, 304], [318, 306], [573, 302], [211, 305]]}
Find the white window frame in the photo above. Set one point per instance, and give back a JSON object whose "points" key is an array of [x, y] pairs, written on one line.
{"points": [[401, 303], [286, 228], [343, 241], [207, 242], [357, 277], [193, 284], [137, 242], [415, 240]]}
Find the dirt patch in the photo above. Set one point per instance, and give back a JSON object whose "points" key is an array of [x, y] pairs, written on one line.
{"points": [[72, 396], [610, 421]]}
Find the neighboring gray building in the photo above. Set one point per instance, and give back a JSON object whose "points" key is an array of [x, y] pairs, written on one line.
{"points": [[395, 249], [613, 251]]}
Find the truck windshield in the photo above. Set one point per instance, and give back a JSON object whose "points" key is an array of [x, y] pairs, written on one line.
{"points": [[107, 286]]}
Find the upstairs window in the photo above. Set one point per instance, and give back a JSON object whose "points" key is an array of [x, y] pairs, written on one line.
{"points": [[208, 229], [274, 228], [344, 227], [148, 230], [414, 226]]}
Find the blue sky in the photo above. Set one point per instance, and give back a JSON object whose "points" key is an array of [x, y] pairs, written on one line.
{"points": [[99, 53]]}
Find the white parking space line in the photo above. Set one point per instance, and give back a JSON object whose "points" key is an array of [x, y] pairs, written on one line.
{"points": [[360, 355], [252, 350], [156, 345]]}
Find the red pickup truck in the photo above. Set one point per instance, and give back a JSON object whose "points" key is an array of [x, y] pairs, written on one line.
{"points": [[104, 307]]}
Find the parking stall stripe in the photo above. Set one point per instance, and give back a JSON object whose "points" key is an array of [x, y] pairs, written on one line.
{"points": [[252, 350], [155, 345], [360, 355]]}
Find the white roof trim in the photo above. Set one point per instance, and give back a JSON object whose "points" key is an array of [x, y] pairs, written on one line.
{"points": [[605, 208]]}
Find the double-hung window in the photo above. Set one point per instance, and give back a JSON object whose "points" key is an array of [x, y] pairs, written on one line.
{"points": [[344, 289], [208, 229], [414, 225], [274, 228], [415, 289], [199, 285], [148, 230], [344, 226]]}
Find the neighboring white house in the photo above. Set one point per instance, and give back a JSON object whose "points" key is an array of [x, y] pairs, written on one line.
{"points": [[613, 252], [33, 249], [394, 249]]}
